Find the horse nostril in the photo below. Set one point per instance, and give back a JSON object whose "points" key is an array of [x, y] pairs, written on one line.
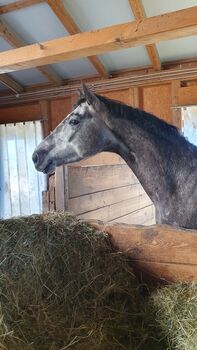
{"points": [[35, 158]]}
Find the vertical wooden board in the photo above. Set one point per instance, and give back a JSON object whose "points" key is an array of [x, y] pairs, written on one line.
{"points": [[176, 112], [60, 108], [125, 96], [158, 100], [45, 201], [52, 192], [61, 188]]}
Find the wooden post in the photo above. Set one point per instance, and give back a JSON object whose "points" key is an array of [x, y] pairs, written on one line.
{"points": [[176, 110], [61, 188], [46, 116]]}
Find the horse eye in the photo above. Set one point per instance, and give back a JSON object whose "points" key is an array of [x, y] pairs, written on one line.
{"points": [[74, 122]]}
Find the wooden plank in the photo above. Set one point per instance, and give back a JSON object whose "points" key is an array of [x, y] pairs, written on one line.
{"points": [[45, 115], [8, 34], [164, 252], [104, 158], [187, 96], [86, 180], [17, 5], [142, 216], [157, 243], [167, 26], [83, 204], [45, 201], [118, 210], [139, 13], [168, 272], [157, 100], [52, 192], [68, 22], [176, 111], [61, 192], [14, 114]]}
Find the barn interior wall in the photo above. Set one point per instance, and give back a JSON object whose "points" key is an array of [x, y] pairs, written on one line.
{"points": [[102, 187]]}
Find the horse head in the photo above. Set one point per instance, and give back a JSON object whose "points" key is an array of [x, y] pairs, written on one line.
{"points": [[83, 133]]}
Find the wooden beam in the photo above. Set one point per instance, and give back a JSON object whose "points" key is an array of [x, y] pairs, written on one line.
{"points": [[139, 13], [8, 35], [164, 252], [67, 21], [6, 80], [148, 31], [17, 5]]}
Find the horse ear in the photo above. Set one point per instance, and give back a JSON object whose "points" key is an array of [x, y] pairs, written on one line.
{"points": [[91, 97]]}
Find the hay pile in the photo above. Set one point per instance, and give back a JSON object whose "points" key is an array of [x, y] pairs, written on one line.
{"points": [[63, 287], [176, 312]]}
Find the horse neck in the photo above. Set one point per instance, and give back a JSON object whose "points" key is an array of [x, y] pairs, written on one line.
{"points": [[156, 162]]}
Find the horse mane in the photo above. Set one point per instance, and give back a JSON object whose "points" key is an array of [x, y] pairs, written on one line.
{"points": [[145, 120]]}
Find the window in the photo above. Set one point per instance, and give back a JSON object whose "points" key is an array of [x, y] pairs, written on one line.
{"points": [[21, 185], [190, 124]]}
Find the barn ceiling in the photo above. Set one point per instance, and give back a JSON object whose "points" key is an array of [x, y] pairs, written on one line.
{"points": [[38, 23]]}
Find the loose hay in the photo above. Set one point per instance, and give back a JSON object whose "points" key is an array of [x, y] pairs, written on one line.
{"points": [[62, 286], [176, 312]]}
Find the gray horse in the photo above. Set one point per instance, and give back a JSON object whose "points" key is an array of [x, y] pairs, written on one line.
{"points": [[164, 162]]}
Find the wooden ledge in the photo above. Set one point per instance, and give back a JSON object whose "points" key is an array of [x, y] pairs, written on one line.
{"points": [[163, 252]]}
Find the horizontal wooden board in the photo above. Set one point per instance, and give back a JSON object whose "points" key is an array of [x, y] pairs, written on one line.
{"points": [[164, 252], [143, 216], [86, 180], [117, 210], [83, 204], [104, 158], [157, 243], [168, 272]]}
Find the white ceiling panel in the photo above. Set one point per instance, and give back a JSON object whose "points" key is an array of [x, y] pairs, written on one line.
{"points": [[28, 77], [5, 2], [157, 7], [4, 46], [35, 23], [127, 58], [94, 14], [3, 87], [74, 69], [178, 49]]}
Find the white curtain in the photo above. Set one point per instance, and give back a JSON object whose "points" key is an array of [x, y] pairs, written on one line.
{"points": [[21, 185]]}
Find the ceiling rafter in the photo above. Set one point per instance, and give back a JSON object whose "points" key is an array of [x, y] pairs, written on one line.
{"points": [[17, 5], [150, 30], [139, 13], [10, 83], [69, 24], [8, 35]]}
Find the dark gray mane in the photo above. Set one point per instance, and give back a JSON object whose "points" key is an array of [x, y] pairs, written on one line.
{"points": [[147, 121], [144, 120]]}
